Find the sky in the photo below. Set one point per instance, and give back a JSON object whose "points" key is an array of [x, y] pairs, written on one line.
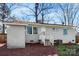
{"points": [[54, 17], [21, 12]]}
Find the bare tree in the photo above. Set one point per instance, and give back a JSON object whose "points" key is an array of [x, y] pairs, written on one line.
{"points": [[5, 12], [39, 9], [33, 10], [26, 16], [59, 16], [69, 12], [44, 9], [36, 12]]}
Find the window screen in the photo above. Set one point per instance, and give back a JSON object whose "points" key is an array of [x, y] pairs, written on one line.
{"points": [[29, 29], [65, 31], [34, 30]]}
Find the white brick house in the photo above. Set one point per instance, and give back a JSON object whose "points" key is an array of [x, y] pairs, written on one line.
{"points": [[19, 33]]}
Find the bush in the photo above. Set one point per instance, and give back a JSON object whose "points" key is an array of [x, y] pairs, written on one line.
{"points": [[66, 50]]}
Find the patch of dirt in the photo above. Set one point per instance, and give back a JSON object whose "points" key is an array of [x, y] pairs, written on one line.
{"points": [[29, 50]]}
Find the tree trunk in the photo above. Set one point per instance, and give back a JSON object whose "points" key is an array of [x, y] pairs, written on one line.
{"points": [[36, 12], [64, 19], [3, 17], [42, 18], [3, 29], [3, 25]]}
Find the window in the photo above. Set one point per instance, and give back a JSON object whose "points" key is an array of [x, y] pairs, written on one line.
{"points": [[34, 30], [29, 29], [65, 31]]}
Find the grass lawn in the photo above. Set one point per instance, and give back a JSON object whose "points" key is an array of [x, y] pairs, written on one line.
{"points": [[68, 50]]}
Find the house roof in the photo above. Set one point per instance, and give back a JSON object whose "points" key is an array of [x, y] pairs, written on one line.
{"points": [[23, 23]]}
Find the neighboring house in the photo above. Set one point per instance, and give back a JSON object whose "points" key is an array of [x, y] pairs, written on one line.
{"points": [[19, 33]]}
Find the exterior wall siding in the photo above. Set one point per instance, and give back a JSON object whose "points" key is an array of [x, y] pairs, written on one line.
{"points": [[33, 37], [53, 34], [58, 34], [30, 37], [16, 37]]}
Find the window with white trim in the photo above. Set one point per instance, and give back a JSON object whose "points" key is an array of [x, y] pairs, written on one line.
{"points": [[31, 30], [34, 30], [65, 32]]}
